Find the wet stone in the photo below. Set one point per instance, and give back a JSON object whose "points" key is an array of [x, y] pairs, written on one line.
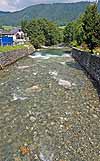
{"points": [[33, 119]]}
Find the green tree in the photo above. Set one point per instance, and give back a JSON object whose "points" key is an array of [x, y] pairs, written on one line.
{"points": [[69, 33], [97, 30], [1, 27], [90, 26], [35, 34], [51, 32], [42, 32], [24, 25], [73, 33], [78, 30]]}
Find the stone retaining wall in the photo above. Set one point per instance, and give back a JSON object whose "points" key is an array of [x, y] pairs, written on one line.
{"points": [[90, 62], [10, 57]]}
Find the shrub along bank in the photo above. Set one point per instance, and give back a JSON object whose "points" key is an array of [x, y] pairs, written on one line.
{"points": [[85, 31]]}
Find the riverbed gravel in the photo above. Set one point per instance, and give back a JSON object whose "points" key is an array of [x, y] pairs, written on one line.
{"points": [[44, 120]]}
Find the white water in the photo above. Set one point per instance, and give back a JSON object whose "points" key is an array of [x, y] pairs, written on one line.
{"points": [[17, 97], [47, 56]]}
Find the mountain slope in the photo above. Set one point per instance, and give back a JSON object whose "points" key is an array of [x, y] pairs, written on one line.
{"points": [[61, 13], [2, 13]]}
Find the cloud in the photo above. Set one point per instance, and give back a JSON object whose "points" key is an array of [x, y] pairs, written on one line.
{"points": [[7, 5], [13, 5]]}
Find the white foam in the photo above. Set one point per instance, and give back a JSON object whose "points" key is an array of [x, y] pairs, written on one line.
{"points": [[62, 63], [46, 157], [52, 56], [16, 97], [35, 73], [38, 56], [47, 56], [66, 55]]}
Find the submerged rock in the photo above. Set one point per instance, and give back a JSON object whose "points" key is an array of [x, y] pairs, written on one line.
{"points": [[23, 67], [53, 73], [35, 88], [32, 119], [46, 157], [66, 84]]}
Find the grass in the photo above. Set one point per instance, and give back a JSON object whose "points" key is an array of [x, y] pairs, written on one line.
{"points": [[8, 28], [95, 51], [11, 48]]}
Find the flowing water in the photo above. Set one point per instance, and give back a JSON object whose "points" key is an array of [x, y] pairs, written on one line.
{"points": [[49, 110]]}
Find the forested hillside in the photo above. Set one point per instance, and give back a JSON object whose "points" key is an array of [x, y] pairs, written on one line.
{"points": [[3, 13], [60, 13]]}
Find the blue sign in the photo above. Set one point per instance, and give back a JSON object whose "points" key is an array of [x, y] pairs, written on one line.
{"points": [[4, 41]]}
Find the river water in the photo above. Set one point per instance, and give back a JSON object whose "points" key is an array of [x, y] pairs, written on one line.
{"points": [[49, 110]]}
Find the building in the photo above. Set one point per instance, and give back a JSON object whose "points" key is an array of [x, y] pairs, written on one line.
{"points": [[5, 38], [14, 37], [18, 36]]}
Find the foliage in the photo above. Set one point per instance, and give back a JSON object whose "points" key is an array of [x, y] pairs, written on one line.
{"points": [[85, 30], [69, 33], [42, 32], [78, 30], [91, 26], [74, 32], [1, 27], [8, 28]]}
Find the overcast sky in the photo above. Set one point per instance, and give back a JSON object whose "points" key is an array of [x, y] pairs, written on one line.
{"points": [[13, 5]]}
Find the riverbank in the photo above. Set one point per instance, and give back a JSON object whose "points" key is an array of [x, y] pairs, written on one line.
{"points": [[14, 54], [96, 51], [90, 62], [4, 49]]}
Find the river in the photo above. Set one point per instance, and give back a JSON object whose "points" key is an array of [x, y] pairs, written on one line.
{"points": [[49, 110]]}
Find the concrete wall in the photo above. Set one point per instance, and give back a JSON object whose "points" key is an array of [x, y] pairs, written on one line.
{"points": [[10, 57], [91, 63]]}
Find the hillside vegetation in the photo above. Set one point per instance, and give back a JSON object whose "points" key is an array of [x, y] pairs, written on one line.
{"points": [[85, 31], [42, 32], [60, 13]]}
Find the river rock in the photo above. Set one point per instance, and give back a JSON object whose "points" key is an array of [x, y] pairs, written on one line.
{"points": [[53, 73], [23, 67], [32, 119], [66, 84], [35, 88]]}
